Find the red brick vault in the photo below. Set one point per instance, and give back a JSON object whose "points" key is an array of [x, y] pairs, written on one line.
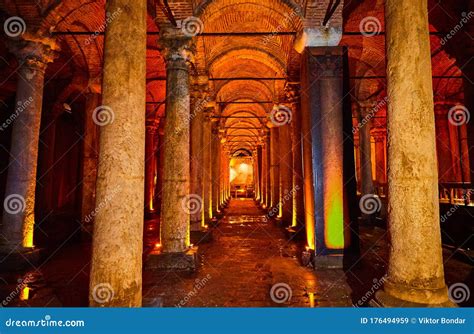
{"points": [[125, 124]]}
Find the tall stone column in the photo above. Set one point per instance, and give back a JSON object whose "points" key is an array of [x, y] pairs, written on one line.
{"points": [[322, 81], [207, 166], [90, 164], [380, 165], [292, 91], [286, 174], [116, 270], [268, 170], [150, 167], [215, 153], [275, 171], [259, 170], [415, 269], [33, 54], [178, 203], [199, 103], [364, 114]]}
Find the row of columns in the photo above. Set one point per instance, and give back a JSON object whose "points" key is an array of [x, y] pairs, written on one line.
{"points": [[415, 272]]}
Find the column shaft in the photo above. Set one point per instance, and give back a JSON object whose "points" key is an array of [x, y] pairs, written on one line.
{"points": [[286, 173], [415, 271], [118, 230]]}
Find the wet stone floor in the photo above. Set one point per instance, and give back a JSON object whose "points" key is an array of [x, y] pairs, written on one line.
{"points": [[249, 263]]}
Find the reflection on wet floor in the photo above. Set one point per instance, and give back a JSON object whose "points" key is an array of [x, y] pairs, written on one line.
{"points": [[250, 262]]}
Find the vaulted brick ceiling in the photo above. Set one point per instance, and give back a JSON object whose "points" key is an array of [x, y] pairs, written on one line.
{"points": [[272, 56]]}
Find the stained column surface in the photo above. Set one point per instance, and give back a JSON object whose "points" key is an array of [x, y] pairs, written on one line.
{"points": [[116, 271], [415, 271]]}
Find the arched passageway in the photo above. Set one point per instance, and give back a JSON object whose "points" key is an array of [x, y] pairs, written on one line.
{"points": [[231, 147]]}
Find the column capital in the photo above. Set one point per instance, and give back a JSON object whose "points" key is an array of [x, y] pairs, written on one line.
{"points": [[327, 61], [292, 92], [35, 52], [177, 48], [379, 134]]}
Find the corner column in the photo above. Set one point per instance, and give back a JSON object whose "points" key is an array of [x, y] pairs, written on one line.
{"points": [[18, 220], [415, 270]]}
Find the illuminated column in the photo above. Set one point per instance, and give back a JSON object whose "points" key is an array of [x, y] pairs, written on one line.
{"points": [[259, 170], [178, 202], [379, 136], [275, 169], [256, 174], [263, 173], [286, 173], [33, 54], [415, 270], [365, 113], [297, 221], [199, 103], [150, 166], [207, 168], [215, 166], [323, 119], [357, 159], [90, 161], [118, 228], [268, 169]]}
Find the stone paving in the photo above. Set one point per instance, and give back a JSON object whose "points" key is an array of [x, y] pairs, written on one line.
{"points": [[247, 257]]}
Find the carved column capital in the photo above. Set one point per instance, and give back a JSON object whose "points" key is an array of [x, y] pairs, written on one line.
{"points": [[34, 52], [177, 48]]}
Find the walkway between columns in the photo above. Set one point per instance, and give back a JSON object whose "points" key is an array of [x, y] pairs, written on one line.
{"points": [[248, 256]]}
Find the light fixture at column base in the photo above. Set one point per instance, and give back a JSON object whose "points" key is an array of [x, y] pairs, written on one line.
{"points": [[19, 259], [182, 261], [383, 299]]}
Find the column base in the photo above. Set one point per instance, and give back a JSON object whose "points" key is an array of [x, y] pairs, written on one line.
{"points": [[398, 295], [186, 261], [17, 260], [329, 262], [383, 299], [202, 236]]}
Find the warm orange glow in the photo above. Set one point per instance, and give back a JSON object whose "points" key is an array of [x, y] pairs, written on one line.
{"points": [[311, 299], [157, 245], [28, 228], [25, 293]]}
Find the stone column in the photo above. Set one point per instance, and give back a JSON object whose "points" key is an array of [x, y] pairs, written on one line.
{"points": [[178, 203], [286, 173], [199, 103], [268, 170], [298, 220], [322, 81], [275, 171], [259, 170], [215, 166], [116, 270], [380, 167], [33, 54], [365, 114], [415, 269], [207, 168], [90, 162], [263, 173], [150, 167]]}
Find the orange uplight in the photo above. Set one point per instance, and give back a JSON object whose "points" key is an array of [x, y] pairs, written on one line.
{"points": [[25, 293], [157, 245], [311, 299]]}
